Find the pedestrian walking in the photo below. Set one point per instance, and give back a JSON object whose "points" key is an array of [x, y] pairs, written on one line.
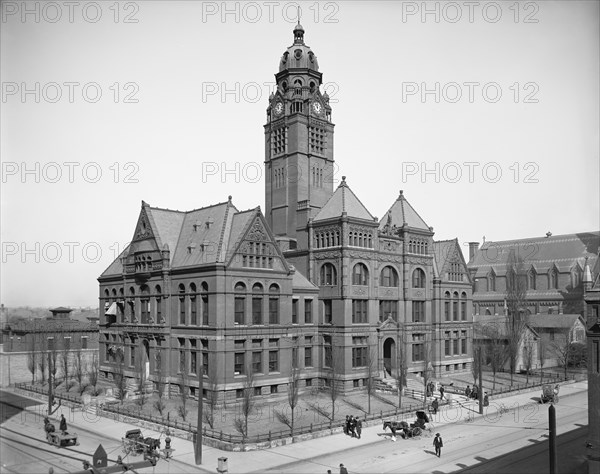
{"points": [[328, 471], [352, 426], [438, 444], [343, 469], [63, 424], [435, 405], [347, 425], [441, 392], [468, 392], [358, 427]]}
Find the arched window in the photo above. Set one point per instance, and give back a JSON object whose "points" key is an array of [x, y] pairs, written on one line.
{"points": [[491, 282], [575, 277], [205, 305], [145, 304], [158, 304], [447, 310], [463, 306], [181, 304], [131, 304], [455, 315], [257, 303], [553, 279], [360, 274], [531, 280], [418, 278], [273, 304], [328, 275], [240, 303], [488, 312], [193, 305], [389, 277]]}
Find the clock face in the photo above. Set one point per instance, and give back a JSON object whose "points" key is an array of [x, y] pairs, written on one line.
{"points": [[278, 108], [317, 107]]}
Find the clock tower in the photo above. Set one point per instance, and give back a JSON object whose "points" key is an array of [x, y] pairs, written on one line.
{"points": [[298, 145]]}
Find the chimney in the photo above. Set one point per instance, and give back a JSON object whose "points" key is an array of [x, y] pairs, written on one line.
{"points": [[473, 247]]}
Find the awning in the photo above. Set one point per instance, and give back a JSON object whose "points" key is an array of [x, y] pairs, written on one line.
{"points": [[112, 311]]}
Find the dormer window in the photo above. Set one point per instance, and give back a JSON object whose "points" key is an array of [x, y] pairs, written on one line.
{"points": [[209, 222], [191, 247]]}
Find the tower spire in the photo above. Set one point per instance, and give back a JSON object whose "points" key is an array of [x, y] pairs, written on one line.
{"points": [[299, 31]]}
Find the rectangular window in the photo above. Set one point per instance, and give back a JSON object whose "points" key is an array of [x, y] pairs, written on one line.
{"points": [[145, 310], [257, 362], [359, 311], [84, 342], [238, 363], [193, 363], [388, 309], [309, 382], [193, 311], [273, 361], [418, 310], [308, 311], [273, 388], [307, 356], [327, 312], [294, 311], [239, 393], [327, 354], [240, 310], [273, 342], [455, 314], [418, 352], [455, 346], [359, 356], [181, 361], [158, 310], [464, 346], [205, 363], [463, 310], [256, 343], [447, 310], [447, 347], [273, 310], [256, 310]]}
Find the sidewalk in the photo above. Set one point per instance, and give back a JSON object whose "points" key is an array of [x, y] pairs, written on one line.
{"points": [[268, 459]]}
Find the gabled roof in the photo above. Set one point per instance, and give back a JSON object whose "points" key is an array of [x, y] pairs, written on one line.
{"points": [[541, 253], [300, 282], [487, 327], [444, 252], [343, 200], [402, 213], [560, 321]]}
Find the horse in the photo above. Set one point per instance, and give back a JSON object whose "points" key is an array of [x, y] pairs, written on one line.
{"points": [[394, 426]]}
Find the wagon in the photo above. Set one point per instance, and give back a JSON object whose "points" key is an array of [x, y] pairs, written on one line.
{"points": [[58, 438], [135, 443], [549, 393]]}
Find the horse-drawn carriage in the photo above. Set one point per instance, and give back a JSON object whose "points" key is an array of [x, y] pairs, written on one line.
{"points": [[135, 443], [549, 393], [412, 430], [59, 438]]}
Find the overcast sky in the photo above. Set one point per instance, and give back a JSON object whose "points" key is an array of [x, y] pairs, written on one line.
{"points": [[165, 102]]}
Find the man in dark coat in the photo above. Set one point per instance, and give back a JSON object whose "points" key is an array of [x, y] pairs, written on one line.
{"points": [[438, 444], [358, 427], [63, 424], [441, 392], [347, 425], [343, 469], [435, 405], [352, 426]]}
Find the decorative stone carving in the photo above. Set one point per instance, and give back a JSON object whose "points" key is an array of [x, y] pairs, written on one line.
{"points": [[358, 290], [257, 232]]}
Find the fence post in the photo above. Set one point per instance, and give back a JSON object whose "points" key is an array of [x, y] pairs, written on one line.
{"points": [[269, 435]]}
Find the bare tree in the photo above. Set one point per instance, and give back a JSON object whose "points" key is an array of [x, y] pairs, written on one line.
{"points": [[476, 362], [563, 349], [495, 349], [427, 369], [292, 396], [32, 356], [211, 399], [333, 377], [119, 376], [542, 348], [42, 360], [53, 360], [92, 372], [183, 393], [141, 376], [516, 290], [240, 423], [528, 357], [79, 369], [400, 375], [161, 385], [371, 372], [65, 362]]}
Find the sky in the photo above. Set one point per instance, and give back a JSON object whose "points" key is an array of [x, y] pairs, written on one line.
{"points": [[486, 115]]}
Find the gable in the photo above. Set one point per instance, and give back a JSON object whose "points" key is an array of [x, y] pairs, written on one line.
{"points": [[256, 247]]}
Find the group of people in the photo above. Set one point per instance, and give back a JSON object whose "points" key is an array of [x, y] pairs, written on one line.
{"points": [[474, 394], [353, 426], [343, 470]]}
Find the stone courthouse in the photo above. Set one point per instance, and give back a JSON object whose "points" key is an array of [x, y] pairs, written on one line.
{"points": [[316, 282]]}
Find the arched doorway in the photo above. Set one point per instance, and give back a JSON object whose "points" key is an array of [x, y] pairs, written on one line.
{"points": [[389, 356]]}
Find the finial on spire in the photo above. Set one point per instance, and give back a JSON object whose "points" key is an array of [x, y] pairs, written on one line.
{"points": [[299, 31]]}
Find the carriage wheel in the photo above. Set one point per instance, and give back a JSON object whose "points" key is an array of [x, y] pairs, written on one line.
{"points": [[416, 431]]}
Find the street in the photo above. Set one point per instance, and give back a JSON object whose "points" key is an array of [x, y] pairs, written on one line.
{"points": [[465, 443]]}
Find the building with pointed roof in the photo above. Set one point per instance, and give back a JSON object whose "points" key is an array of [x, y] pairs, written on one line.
{"points": [[317, 282]]}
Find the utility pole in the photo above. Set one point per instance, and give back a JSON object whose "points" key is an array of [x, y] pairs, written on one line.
{"points": [[480, 392], [552, 437], [198, 445]]}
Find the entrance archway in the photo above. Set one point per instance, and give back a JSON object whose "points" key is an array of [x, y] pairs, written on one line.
{"points": [[146, 358], [389, 353]]}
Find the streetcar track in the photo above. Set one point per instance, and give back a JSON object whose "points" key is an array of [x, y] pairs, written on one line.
{"points": [[37, 458]]}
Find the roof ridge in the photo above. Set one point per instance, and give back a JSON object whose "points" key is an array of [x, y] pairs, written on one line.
{"points": [[190, 211], [541, 238], [227, 219]]}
